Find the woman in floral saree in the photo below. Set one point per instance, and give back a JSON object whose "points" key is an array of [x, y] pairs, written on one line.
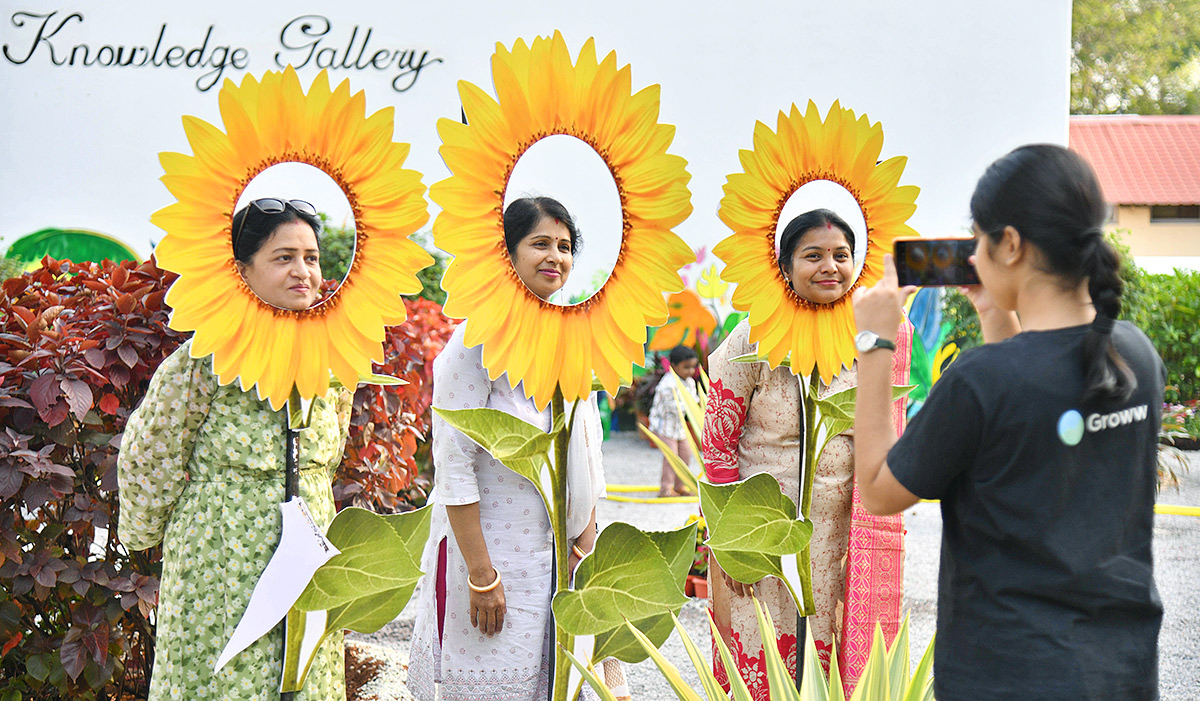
{"points": [[753, 424]]}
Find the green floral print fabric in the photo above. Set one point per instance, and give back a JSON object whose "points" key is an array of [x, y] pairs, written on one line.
{"points": [[201, 470]]}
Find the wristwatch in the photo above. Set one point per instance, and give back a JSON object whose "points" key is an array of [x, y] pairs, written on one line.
{"points": [[869, 341]]}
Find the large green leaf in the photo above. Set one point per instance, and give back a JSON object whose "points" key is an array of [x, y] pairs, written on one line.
{"points": [[520, 446], [678, 548], [626, 577], [752, 525], [363, 588], [836, 412], [379, 554]]}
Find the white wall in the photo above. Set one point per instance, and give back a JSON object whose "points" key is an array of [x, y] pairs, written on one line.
{"points": [[955, 85]]}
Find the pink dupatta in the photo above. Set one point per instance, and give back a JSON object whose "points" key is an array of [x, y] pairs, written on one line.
{"points": [[875, 556]]}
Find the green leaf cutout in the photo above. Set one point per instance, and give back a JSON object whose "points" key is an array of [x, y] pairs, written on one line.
{"points": [[836, 412], [520, 446], [756, 358], [752, 525], [629, 575], [677, 547], [363, 588]]}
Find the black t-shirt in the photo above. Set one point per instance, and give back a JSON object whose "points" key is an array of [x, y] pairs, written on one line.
{"points": [[1046, 588]]}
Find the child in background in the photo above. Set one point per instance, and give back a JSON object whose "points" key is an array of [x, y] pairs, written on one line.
{"points": [[665, 419]]}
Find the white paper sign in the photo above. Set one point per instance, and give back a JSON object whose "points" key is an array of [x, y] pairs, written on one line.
{"points": [[302, 549]]}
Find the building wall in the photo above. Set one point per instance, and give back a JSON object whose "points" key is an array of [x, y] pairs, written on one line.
{"points": [[1146, 238]]}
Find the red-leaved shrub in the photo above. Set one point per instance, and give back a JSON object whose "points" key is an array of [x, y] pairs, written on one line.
{"points": [[78, 345]]}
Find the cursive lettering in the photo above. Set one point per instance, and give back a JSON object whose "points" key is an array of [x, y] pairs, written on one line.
{"points": [[306, 41], [216, 58]]}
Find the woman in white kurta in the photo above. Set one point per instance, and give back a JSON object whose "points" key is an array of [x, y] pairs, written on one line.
{"points": [[489, 523]]}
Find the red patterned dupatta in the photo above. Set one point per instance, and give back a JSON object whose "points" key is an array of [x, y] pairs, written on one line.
{"points": [[875, 556]]}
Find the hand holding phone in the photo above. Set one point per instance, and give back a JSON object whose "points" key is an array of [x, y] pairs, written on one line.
{"points": [[928, 262]]}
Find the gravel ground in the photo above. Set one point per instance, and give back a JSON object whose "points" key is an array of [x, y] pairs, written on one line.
{"points": [[630, 460]]}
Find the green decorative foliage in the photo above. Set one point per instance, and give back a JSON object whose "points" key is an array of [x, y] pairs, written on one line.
{"points": [[681, 469], [521, 447], [737, 685], [629, 576], [752, 525], [783, 687], [670, 672], [756, 358], [589, 676], [885, 677], [836, 412], [366, 586]]}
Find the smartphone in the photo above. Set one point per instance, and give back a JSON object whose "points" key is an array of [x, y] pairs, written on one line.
{"points": [[934, 262]]}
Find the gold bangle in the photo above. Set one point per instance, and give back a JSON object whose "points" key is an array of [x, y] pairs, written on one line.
{"points": [[483, 590], [579, 553]]}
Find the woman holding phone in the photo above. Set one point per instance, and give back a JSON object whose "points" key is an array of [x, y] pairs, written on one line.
{"points": [[1041, 445]]}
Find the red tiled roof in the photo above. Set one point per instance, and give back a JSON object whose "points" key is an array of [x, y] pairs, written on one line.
{"points": [[1142, 159]]}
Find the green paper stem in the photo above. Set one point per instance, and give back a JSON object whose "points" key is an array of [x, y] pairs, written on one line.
{"points": [[558, 520]]}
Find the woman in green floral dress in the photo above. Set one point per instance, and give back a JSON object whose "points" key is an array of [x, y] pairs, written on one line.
{"points": [[202, 470]]}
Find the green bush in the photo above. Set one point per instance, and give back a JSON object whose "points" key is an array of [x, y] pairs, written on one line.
{"points": [[78, 345], [1165, 306]]}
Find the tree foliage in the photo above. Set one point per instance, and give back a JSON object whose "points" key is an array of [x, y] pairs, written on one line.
{"points": [[337, 255], [1135, 57]]}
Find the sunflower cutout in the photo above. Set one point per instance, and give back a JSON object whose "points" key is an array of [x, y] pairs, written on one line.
{"points": [[842, 149], [541, 93], [269, 122]]}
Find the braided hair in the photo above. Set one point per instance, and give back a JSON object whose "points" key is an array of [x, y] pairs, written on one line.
{"points": [[1051, 196]]}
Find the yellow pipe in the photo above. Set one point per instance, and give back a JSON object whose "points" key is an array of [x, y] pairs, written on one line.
{"points": [[632, 487], [654, 500]]}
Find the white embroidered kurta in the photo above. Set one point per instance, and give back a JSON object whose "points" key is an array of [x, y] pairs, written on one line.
{"points": [[514, 663]]}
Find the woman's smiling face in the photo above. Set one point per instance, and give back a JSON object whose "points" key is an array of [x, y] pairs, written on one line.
{"points": [[822, 268], [543, 258]]}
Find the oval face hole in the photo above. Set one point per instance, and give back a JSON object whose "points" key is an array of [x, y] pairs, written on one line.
{"points": [[283, 272], [826, 194], [568, 170]]}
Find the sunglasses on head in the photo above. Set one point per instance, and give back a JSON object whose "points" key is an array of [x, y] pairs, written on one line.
{"points": [[273, 205]]}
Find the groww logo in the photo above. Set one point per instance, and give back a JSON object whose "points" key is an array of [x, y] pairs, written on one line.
{"points": [[1072, 425]]}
